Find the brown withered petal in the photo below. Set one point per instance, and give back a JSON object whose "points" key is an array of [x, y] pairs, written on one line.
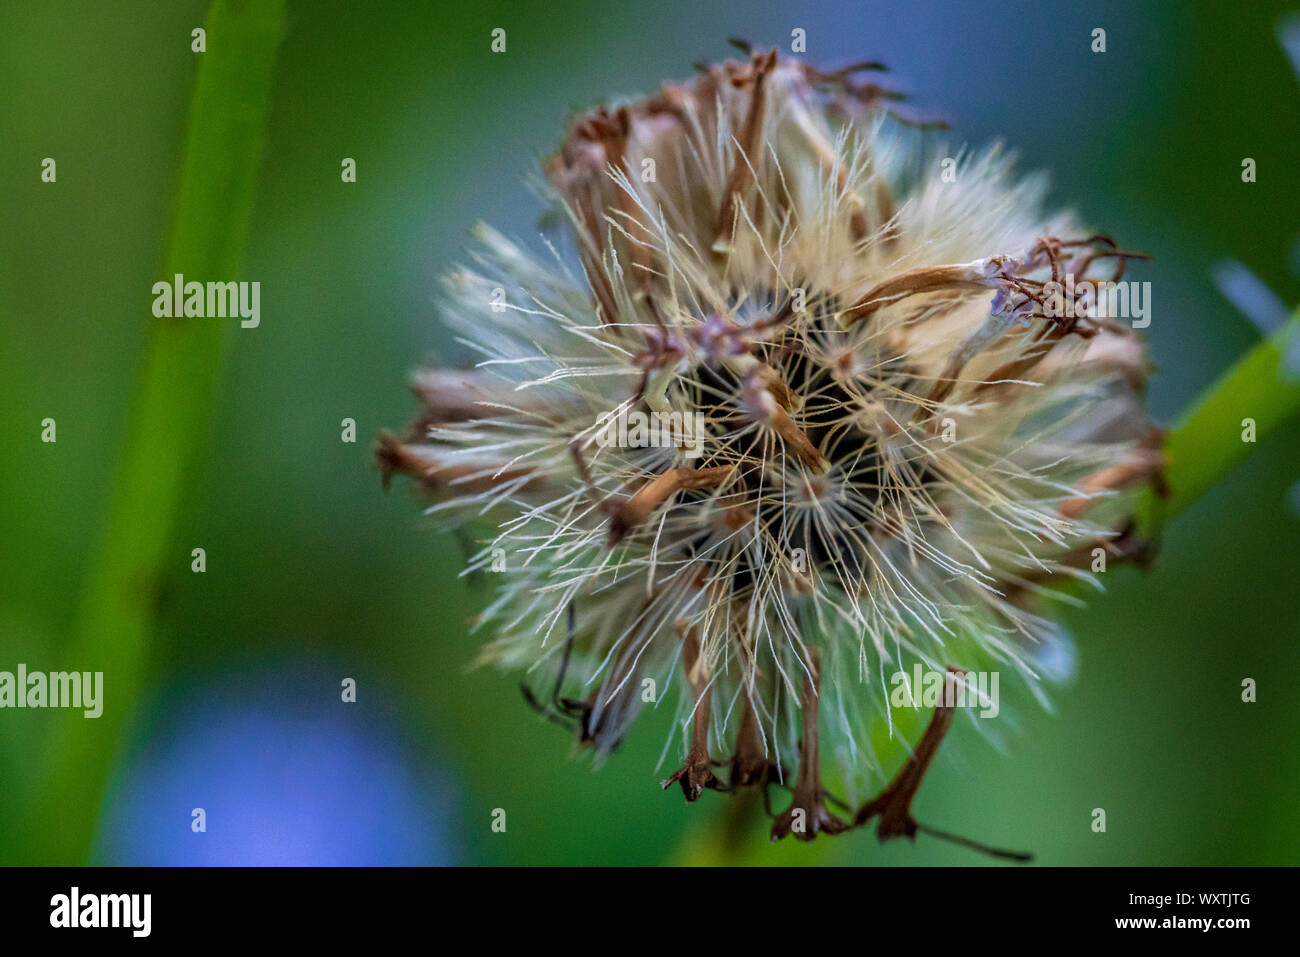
{"points": [[807, 816]]}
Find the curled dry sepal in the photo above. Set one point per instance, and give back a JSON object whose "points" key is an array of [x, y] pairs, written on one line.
{"points": [[899, 441]]}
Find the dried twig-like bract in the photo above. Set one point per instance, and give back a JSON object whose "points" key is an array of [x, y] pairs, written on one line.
{"points": [[795, 413]]}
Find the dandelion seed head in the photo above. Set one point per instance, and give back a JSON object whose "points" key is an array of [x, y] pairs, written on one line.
{"points": [[902, 448]]}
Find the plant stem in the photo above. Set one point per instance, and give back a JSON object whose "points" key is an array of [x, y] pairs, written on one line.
{"points": [[1206, 443], [170, 420]]}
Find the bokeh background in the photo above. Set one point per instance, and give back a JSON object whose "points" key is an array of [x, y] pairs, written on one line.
{"points": [[314, 574]]}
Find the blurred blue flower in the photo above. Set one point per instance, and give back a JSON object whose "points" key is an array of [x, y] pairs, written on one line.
{"points": [[286, 774]]}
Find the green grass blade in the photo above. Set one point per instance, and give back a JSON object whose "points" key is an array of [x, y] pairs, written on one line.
{"points": [[171, 416]]}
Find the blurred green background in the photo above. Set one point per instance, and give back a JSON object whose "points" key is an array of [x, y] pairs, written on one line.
{"points": [[313, 574]]}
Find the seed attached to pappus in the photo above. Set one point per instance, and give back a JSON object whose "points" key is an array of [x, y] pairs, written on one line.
{"points": [[905, 440]]}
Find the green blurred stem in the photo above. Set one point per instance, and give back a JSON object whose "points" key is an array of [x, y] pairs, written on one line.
{"points": [[1202, 448], [1206, 442], [171, 416]]}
